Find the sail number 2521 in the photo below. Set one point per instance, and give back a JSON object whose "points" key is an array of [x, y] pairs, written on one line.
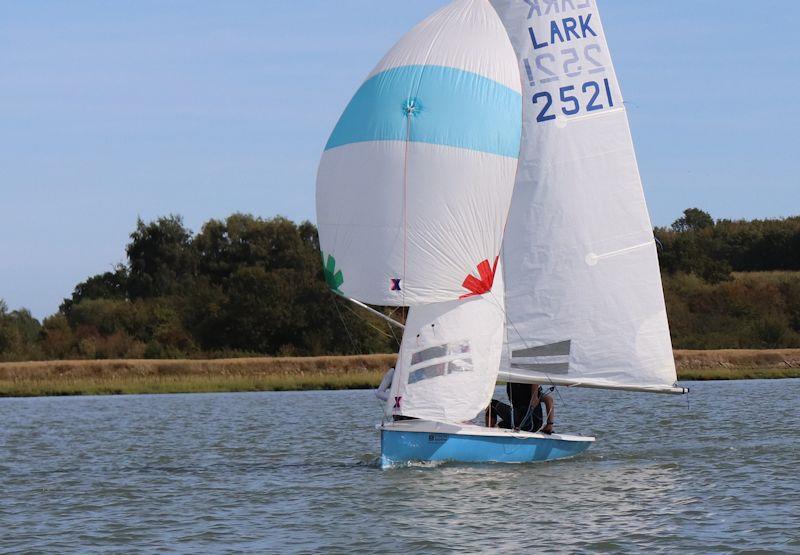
{"points": [[588, 97]]}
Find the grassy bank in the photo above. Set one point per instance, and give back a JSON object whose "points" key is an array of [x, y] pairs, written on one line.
{"points": [[97, 377], [737, 364]]}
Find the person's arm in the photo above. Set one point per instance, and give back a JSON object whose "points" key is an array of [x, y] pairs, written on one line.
{"points": [[551, 409]]}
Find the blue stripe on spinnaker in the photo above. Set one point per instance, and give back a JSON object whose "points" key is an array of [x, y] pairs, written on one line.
{"points": [[449, 107]]}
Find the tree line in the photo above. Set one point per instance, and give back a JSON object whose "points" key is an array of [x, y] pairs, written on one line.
{"points": [[242, 286], [697, 244], [252, 286], [731, 283]]}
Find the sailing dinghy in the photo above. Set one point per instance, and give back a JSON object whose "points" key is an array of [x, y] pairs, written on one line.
{"points": [[484, 177]]}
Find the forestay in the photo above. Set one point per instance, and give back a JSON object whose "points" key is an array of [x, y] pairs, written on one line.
{"points": [[414, 184], [584, 302]]}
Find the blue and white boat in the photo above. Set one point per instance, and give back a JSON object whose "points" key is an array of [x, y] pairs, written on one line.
{"points": [[409, 441], [484, 176]]}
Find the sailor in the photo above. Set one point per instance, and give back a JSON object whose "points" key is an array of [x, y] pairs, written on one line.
{"points": [[525, 410], [382, 393]]}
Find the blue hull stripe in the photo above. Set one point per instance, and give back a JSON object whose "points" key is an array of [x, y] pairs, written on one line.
{"points": [[398, 448], [448, 106]]}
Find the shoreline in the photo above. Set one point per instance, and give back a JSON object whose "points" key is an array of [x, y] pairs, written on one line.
{"points": [[135, 376]]}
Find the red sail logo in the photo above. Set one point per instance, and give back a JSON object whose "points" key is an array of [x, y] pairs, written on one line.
{"points": [[483, 285]]}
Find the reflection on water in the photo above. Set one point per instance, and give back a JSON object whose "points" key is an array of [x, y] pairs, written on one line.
{"points": [[298, 472]]}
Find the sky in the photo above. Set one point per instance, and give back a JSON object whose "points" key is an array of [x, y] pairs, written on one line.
{"points": [[110, 111]]}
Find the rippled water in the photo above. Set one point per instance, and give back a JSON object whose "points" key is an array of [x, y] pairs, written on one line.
{"points": [[296, 472]]}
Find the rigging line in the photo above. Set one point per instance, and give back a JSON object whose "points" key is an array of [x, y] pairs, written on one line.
{"points": [[391, 329], [405, 203], [371, 310], [549, 418], [376, 328], [529, 415], [411, 108], [344, 325]]}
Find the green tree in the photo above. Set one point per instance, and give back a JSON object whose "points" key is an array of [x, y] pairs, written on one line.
{"points": [[108, 285], [252, 285], [693, 219], [160, 258], [242, 240], [28, 326], [7, 338], [57, 338], [19, 334]]}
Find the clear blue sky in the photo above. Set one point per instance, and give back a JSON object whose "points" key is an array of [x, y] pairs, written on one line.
{"points": [[113, 110]]}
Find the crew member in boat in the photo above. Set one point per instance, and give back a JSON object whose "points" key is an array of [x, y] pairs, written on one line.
{"points": [[382, 393], [525, 410]]}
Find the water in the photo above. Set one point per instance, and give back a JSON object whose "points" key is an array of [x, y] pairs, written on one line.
{"points": [[296, 472]]}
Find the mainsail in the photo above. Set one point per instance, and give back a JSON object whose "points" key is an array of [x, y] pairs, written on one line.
{"points": [[583, 297]]}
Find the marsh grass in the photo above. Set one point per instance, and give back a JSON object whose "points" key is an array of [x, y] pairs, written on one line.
{"points": [[117, 385], [108, 377], [104, 377], [738, 374]]}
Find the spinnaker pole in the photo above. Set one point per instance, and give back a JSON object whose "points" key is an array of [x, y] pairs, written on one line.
{"points": [[377, 313]]}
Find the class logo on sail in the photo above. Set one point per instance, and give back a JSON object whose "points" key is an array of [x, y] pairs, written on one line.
{"points": [[547, 359], [482, 284]]}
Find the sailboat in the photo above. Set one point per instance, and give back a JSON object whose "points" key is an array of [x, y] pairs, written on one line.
{"points": [[484, 176]]}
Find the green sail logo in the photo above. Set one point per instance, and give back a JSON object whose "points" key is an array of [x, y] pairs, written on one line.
{"points": [[333, 277]]}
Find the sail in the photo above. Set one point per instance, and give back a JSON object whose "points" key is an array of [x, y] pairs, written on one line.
{"points": [[414, 185], [583, 295], [449, 358]]}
